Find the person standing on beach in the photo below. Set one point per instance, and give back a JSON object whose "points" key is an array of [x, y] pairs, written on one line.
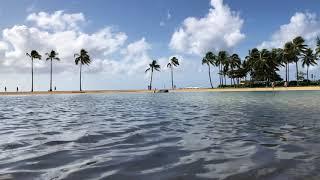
{"points": [[5, 89], [17, 89]]}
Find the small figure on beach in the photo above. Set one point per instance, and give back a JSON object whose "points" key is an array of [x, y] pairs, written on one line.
{"points": [[5, 89], [286, 84], [55, 88], [273, 85], [17, 89]]}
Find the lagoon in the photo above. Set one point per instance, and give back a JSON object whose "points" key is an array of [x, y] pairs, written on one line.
{"points": [[208, 135]]}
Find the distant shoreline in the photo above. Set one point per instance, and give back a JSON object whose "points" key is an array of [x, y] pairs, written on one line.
{"points": [[309, 88]]}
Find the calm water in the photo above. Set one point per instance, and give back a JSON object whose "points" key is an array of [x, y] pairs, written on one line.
{"points": [[161, 136]]}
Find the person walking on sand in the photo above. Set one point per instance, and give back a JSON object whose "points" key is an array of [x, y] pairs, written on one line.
{"points": [[5, 89], [272, 84], [285, 84], [17, 89]]}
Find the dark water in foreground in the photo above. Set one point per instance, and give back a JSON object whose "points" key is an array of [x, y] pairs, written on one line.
{"points": [[161, 136]]}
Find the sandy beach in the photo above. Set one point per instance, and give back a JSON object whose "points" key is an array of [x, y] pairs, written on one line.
{"points": [[310, 88]]}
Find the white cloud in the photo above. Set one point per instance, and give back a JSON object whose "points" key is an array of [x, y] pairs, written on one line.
{"points": [[56, 21], [107, 47], [306, 25], [219, 29]]}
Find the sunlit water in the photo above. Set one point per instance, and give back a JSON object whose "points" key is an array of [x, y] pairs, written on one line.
{"points": [[256, 135]]}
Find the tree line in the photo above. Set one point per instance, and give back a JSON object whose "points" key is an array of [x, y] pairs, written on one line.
{"points": [[81, 58], [260, 65]]}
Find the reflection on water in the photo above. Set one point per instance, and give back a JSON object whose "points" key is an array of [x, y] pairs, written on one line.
{"points": [[258, 135]]}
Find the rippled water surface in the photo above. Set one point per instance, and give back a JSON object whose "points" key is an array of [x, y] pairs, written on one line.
{"points": [[255, 135]]}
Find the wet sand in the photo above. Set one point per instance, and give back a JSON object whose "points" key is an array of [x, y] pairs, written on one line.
{"points": [[310, 88]]}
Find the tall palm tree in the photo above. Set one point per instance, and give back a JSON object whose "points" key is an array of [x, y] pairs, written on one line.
{"points": [[33, 55], [52, 56], [309, 59], [234, 62], [209, 60], [152, 67], [82, 58], [222, 60], [299, 48], [288, 56], [318, 47], [174, 62]]}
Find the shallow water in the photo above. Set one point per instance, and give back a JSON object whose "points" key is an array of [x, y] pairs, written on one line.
{"points": [[256, 135]]}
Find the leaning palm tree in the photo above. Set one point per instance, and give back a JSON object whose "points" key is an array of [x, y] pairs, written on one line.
{"points": [[288, 53], [52, 56], [309, 59], [209, 60], [174, 62], [33, 55], [82, 58], [152, 67]]}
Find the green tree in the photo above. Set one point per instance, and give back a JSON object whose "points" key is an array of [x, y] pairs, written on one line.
{"points": [[222, 62], [234, 63], [309, 59], [33, 55], [152, 67], [299, 48], [209, 60], [82, 58], [174, 62], [52, 56], [318, 47]]}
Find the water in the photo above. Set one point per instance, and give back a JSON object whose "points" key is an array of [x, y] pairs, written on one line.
{"points": [[259, 135]]}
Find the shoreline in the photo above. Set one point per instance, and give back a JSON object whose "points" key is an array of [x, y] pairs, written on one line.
{"points": [[308, 88]]}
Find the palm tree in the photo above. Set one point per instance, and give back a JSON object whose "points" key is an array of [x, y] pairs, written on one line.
{"points": [[209, 60], [153, 66], [52, 56], [288, 56], [234, 62], [318, 47], [174, 62], [82, 58], [33, 55], [309, 59], [299, 48], [221, 61]]}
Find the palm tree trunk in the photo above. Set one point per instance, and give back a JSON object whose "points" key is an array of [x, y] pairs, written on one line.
{"points": [[308, 73], [297, 71], [31, 74], [151, 80], [172, 77], [210, 76], [51, 74], [286, 72], [80, 76]]}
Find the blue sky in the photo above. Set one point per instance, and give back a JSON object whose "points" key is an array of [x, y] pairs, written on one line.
{"points": [[154, 23]]}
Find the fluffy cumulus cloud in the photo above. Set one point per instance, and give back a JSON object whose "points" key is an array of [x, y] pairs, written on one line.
{"points": [[56, 21], [219, 29], [109, 49], [306, 25]]}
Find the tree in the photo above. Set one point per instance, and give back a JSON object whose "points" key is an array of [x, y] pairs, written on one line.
{"points": [[52, 56], [153, 66], [33, 55], [318, 47], [82, 58], [209, 60], [309, 59], [222, 61], [234, 63], [299, 48], [288, 56], [174, 62]]}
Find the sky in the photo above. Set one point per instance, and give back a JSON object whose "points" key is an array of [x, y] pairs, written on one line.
{"points": [[123, 37]]}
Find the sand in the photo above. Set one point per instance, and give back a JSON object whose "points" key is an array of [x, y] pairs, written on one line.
{"points": [[310, 88]]}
